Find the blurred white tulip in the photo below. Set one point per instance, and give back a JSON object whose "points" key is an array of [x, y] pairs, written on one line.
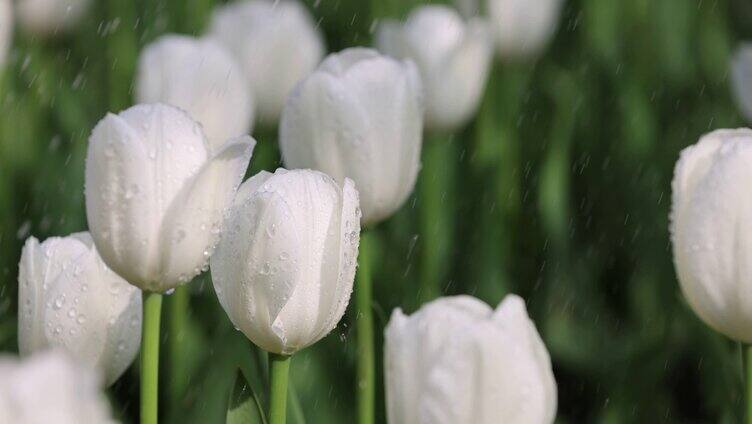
{"points": [[50, 387], [199, 76], [284, 269], [359, 115], [711, 230], [156, 193], [453, 57], [521, 28], [68, 298], [458, 361], [48, 17], [741, 79], [276, 43], [6, 29]]}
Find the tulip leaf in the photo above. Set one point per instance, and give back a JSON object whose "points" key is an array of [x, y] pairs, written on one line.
{"points": [[244, 406]]}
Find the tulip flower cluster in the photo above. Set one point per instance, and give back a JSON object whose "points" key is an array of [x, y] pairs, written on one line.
{"points": [[166, 201]]}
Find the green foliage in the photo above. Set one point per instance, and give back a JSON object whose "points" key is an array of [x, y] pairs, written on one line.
{"points": [[244, 406]]}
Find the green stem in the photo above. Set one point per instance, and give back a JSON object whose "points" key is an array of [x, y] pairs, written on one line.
{"points": [[365, 388], [280, 372], [436, 216], [497, 160], [747, 372], [150, 357], [178, 304]]}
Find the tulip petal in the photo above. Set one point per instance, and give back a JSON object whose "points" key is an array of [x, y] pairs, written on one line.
{"points": [[402, 362], [199, 76], [711, 249], [30, 297], [541, 399], [317, 220], [323, 128], [454, 97], [121, 207], [386, 90], [124, 318], [338, 272], [39, 271], [431, 31], [254, 268], [99, 319], [193, 221], [228, 250]]}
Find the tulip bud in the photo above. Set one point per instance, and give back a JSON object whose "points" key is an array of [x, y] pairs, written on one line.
{"points": [[709, 218], [458, 361], [453, 58], [276, 43], [521, 28], [156, 193], [284, 269], [69, 299], [50, 387], [6, 29], [200, 77], [48, 17], [741, 79], [359, 115]]}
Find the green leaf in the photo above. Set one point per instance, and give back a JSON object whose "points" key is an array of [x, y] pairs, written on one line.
{"points": [[244, 406]]}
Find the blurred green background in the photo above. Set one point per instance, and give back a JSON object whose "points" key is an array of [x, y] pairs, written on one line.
{"points": [[559, 191]]}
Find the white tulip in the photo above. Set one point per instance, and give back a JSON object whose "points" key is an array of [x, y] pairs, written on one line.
{"points": [[741, 79], [69, 299], [48, 17], [711, 224], [156, 193], [51, 387], [458, 361], [453, 57], [284, 269], [6, 29], [276, 43], [359, 115], [201, 77], [521, 28]]}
